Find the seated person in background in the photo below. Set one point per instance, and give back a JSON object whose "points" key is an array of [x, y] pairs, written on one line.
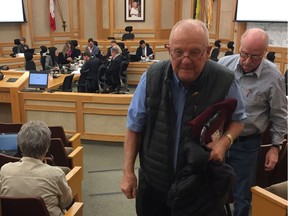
{"points": [[108, 54], [113, 67], [144, 51], [68, 53], [93, 64], [53, 52], [45, 60], [22, 47], [29, 63], [30, 176], [92, 48]]}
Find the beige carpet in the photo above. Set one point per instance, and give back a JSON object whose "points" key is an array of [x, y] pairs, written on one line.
{"points": [[102, 176]]}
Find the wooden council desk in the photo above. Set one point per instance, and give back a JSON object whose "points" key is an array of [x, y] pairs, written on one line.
{"points": [[18, 62], [135, 70], [9, 93]]}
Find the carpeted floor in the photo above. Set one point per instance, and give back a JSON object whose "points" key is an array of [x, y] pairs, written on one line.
{"points": [[102, 195]]}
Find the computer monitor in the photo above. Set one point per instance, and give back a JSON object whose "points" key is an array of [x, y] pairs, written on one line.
{"points": [[8, 143], [38, 79]]}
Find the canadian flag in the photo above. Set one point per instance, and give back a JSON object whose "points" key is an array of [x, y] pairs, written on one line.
{"points": [[52, 16]]}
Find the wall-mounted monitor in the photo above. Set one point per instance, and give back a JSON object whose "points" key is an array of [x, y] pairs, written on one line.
{"points": [[12, 11], [261, 11]]}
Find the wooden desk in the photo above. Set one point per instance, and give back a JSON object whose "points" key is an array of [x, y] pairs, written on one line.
{"points": [[9, 98], [95, 116], [19, 62], [135, 70], [9, 93]]}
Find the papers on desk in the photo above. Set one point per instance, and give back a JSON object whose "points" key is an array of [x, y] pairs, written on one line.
{"points": [[76, 71]]}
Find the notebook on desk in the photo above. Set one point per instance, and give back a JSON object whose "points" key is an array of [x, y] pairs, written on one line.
{"points": [[38, 81]]}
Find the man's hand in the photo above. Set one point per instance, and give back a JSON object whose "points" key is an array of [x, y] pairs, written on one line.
{"points": [[218, 149], [129, 185], [271, 158]]}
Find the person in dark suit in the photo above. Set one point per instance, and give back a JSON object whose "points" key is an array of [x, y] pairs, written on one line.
{"points": [[113, 67], [92, 64], [144, 50], [108, 54]]}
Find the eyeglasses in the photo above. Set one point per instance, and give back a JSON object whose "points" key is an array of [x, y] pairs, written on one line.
{"points": [[179, 54], [252, 57]]}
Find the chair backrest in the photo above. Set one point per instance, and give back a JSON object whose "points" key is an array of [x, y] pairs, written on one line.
{"points": [[58, 132], [101, 78], [230, 45], [57, 150], [214, 54], [67, 83], [128, 36], [7, 159], [30, 65], [15, 50], [10, 127], [271, 56], [15, 206], [82, 82], [43, 61], [123, 72]]}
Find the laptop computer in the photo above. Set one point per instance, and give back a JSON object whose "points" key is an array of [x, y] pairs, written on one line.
{"points": [[8, 143], [133, 58], [38, 81]]}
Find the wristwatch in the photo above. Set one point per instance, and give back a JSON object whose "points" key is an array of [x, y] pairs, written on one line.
{"points": [[277, 146]]}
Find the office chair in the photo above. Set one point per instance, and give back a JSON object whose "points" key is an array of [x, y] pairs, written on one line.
{"points": [[67, 83], [10, 127], [129, 35], [215, 52], [101, 78], [29, 63], [32, 205], [271, 56], [82, 85], [4, 158], [43, 61], [123, 87], [230, 45]]}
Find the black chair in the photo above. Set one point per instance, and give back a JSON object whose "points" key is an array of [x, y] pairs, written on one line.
{"points": [[215, 52], [67, 83], [29, 63], [271, 56], [15, 206], [123, 88], [10, 127], [77, 52], [101, 79], [230, 46], [15, 50], [43, 61], [82, 85], [129, 35]]}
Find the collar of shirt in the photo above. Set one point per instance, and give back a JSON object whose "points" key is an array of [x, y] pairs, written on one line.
{"points": [[31, 160]]}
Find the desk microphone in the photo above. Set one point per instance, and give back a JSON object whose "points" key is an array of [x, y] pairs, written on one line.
{"points": [[20, 67]]}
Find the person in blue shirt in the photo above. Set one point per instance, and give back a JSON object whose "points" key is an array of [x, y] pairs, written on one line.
{"points": [[169, 95]]}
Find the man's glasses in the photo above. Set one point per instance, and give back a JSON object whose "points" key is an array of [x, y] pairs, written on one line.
{"points": [[179, 54], [252, 57]]}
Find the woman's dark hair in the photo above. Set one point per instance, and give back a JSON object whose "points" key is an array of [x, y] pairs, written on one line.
{"points": [[54, 58]]}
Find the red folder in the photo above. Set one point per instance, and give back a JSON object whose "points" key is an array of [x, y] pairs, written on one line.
{"points": [[211, 123]]}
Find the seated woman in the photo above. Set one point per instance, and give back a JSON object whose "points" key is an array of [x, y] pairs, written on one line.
{"points": [[68, 53], [30, 176], [45, 60]]}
